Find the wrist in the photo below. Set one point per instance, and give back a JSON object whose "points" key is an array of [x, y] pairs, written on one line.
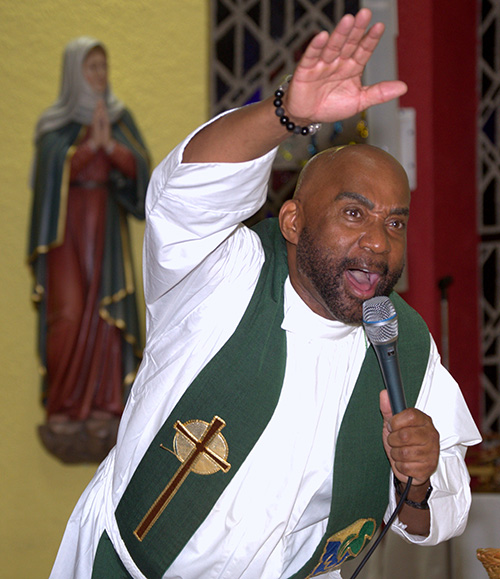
{"points": [[418, 496], [294, 126]]}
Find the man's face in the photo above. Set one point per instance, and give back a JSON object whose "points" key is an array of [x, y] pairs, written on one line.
{"points": [[352, 243], [343, 282]]}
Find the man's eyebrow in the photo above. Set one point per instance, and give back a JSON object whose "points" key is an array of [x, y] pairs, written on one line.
{"points": [[368, 203], [355, 197]]}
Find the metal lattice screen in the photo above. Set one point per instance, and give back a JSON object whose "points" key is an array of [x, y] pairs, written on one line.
{"points": [[489, 208], [254, 45], [255, 42]]}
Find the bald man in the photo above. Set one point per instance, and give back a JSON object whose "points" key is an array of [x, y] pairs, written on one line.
{"points": [[347, 201], [258, 440]]}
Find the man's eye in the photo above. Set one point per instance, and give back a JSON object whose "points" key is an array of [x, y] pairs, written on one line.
{"points": [[352, 212], [397, 224]]}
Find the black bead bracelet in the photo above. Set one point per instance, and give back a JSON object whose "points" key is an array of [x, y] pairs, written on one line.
{"points": [[284, 120]]}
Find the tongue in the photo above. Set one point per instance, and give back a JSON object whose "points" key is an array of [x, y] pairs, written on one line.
{"points": [[361, 278], [364, 281]]}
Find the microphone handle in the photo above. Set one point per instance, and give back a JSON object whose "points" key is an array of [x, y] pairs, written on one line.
{"points": [[387, 355]]}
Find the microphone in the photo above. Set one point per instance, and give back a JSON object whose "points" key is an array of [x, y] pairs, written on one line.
{"points": [[380, 321]]}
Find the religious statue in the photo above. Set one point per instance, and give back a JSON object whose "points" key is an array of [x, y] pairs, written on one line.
{"points": [[91, 169]]}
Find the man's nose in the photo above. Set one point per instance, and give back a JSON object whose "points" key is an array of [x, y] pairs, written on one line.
{"points": [[375, 238]]}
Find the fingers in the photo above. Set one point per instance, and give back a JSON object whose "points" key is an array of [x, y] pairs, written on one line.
{"points": [[414, 444], [349, 39], [103, 110], [362, 50], [343, 38], [101, 129], [312, 54]]}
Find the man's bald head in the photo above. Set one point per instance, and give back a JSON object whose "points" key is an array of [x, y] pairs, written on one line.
{"points": [[334, 162], [346, 229]]}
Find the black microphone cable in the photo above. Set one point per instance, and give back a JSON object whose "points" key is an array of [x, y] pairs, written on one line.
{"points": [[382, 533]]}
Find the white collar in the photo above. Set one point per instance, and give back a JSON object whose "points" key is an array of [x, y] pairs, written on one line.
{"points": [[300, 319]]}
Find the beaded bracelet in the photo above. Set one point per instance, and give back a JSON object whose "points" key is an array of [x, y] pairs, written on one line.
{"points": [[284, 120], [422, 505]]}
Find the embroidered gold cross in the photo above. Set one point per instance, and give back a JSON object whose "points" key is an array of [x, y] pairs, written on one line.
{"points": [[201, 441]]}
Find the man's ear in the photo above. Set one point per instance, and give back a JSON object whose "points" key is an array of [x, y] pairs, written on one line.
{"points": [[290, 220]]}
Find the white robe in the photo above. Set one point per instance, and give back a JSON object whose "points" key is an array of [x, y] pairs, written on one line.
{"points": [[200, 269]]}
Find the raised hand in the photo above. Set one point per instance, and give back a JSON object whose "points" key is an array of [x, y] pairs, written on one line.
{"points": [[327, 84], [326, 87]]}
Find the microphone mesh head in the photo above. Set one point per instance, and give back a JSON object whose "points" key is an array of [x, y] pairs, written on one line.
{"points": [[380, 320]]}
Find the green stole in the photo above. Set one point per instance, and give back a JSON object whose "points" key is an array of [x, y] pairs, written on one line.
{"points": [[242, 385]]}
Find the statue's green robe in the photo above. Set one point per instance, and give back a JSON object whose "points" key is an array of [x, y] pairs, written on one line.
{"points": [[51, 174]]}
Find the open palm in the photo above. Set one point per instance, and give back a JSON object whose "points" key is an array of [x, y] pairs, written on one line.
{"points": [[327, 83]]}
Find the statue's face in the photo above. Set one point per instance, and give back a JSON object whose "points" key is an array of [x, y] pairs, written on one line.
{"points": [[95, 70]]}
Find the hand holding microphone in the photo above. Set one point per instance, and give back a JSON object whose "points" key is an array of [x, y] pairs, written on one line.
{"points": [[410, 439]]}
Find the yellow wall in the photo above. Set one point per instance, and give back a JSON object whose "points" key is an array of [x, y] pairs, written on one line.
{"points": [[158, 67]]}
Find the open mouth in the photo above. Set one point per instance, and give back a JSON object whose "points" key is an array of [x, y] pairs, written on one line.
{"points": [[362, 281]]}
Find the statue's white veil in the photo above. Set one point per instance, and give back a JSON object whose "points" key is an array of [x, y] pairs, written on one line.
{"points": [[77, 100]]}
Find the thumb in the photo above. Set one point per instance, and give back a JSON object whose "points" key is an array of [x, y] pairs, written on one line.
{"points": [[384, 91], [385, 406]]}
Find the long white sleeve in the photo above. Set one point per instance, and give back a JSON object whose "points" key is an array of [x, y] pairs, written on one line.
{"points": [[191, 209], [440, 397]]}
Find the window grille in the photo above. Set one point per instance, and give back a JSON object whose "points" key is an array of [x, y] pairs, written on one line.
{"points": [[254, 45], [488, 179]]}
